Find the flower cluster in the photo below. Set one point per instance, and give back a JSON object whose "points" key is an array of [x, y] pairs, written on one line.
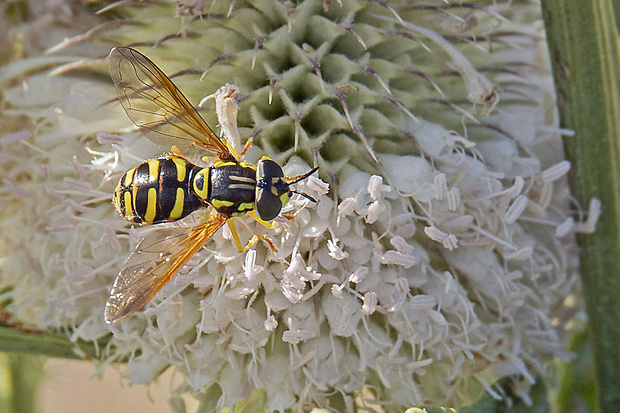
{"points": [[436, 261]]}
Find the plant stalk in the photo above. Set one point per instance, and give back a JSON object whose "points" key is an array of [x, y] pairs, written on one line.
{"points": [[584, 49]]}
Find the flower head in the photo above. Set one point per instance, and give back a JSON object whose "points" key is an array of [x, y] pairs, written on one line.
{"points": [[435, 262]]}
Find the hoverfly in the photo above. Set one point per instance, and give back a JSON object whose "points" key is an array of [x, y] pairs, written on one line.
{"points": [[170, 187]]}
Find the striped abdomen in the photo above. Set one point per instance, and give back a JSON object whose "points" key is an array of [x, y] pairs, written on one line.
{"points": [[157, 191]]}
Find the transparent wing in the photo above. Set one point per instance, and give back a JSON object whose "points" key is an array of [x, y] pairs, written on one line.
{"points": [[156, 105], [156, 259]]}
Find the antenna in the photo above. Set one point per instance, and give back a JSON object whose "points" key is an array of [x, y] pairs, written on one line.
{"points": [[305, 195], [301, 178], [304, 176]]}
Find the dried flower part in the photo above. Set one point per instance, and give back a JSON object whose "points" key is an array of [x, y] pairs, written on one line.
{"points": [[436, 262]]}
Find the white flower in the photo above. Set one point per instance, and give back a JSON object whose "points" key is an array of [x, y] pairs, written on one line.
{"points": [[436, 261]]}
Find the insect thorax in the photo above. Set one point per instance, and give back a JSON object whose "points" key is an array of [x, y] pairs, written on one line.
{"points": [[231, 187], [158, 190]]}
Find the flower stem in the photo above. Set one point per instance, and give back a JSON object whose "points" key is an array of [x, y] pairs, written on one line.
{"points": [[19, 341], [26, 372], [584, 47]]}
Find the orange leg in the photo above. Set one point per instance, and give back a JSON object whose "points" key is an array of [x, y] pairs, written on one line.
{"points": [[176, 151], [246, 147]]}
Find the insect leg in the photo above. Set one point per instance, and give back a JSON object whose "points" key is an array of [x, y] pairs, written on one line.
{"points": [[176, 151], [255, 239], [251, 242], [246, 147], [266, 224], [235, 234]]}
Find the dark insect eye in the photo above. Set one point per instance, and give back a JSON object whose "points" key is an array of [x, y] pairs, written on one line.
{"points": [[269, 169], [268, 205]]}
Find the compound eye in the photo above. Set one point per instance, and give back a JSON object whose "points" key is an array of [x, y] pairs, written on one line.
{"points": [[267, 169], [268, 205]]}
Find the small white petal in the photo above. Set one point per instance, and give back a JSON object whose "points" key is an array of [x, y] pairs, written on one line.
{"points": [[448, 241], [250, 269], [401, 245], [292, 336], [370, 303], [309, 275], [556, 171], [347, 206], [454, 199], [565, 227], [335, 251], [291, 292], [423, 302], [436, 317], [441, 186], [374, 186], [516, 209], [337, 290], [594, 212], [319, 186], [358, 275], [402, 285], [517, 187], [451, 242], [324, 208], [398, 258], [373, 212], [297, 263], [435, 234], [270, 323], [449, 281]]}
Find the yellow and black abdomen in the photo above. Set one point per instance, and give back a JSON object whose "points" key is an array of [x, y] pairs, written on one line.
{"points": [[158, 190]]}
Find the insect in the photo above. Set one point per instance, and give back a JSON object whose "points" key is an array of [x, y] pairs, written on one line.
{"points": [[171, 187]]}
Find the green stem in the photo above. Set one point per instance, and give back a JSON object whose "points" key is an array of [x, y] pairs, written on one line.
{"points": [[26, 374], [584, 48], [18, 341]]}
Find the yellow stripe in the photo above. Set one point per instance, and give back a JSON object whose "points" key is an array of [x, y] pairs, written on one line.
{"points": [[134, 192], [128, 205], [178, 204], [219, 164], [242, 186], [129, 176], [180, 164], [245, 179], [246, 206], [151, 204], [204, 191], [218, 203], [153, 170], [247, 165]]}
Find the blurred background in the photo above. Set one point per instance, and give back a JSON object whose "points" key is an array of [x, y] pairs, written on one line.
{"points": [[71, 386]]}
